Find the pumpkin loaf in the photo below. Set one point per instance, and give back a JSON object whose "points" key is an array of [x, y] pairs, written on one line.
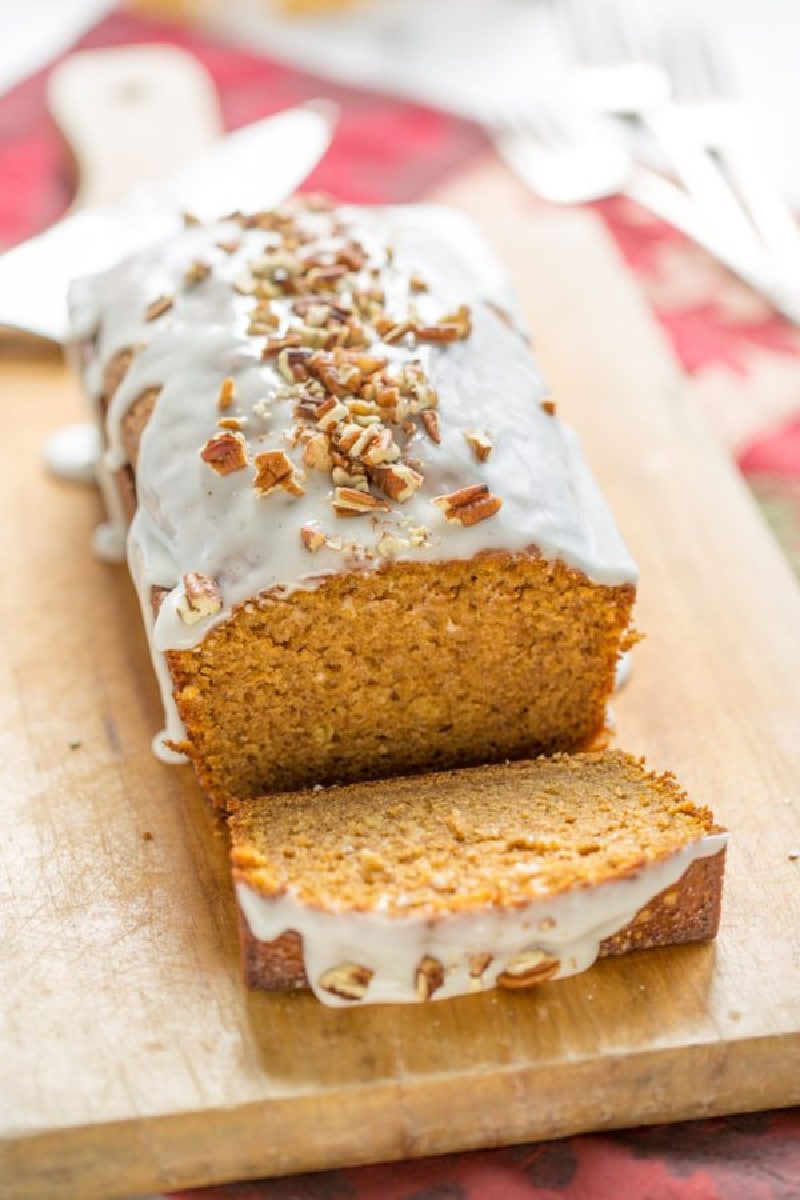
{"points": [[438, 885], [363, 542]]}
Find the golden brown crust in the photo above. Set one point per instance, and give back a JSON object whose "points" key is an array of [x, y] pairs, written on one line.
{"points": [[687, 912]]}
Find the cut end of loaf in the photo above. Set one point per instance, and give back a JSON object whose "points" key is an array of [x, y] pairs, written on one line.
{"points": [[414, 667]]}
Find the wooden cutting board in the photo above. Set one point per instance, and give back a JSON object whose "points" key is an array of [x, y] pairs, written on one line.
{"points": [[132, 1058]]}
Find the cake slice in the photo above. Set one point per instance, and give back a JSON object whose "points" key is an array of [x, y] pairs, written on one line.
{"points": [[439, 885]]}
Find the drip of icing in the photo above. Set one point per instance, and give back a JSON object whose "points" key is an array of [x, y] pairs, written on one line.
{"points": [[569, 926], [150, 563], [110, 538], [72, 452]]}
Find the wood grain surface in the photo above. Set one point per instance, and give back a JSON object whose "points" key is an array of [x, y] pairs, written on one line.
{"points": [[132, 1058]]}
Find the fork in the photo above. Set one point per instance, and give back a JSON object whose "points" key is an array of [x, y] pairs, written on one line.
{"points": [[570, 157], [626, 69], [704, 85]]}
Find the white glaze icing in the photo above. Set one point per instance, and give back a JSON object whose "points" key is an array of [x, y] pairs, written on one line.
{"points": [[72, 452], [569, 926], [192, 520]]}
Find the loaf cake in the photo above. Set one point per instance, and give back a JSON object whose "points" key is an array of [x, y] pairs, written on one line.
{"points": [[443, 884], [363, 542]]}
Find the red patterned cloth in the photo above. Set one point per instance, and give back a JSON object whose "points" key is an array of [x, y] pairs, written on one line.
{"points": [[744, 363], [753, 1157]]}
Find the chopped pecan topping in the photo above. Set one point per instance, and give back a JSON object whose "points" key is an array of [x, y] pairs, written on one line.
{"points": [[349, 502], [228, 245], [351, 479], [430, 423], [320, 278], [469, 505], [289, 341], [392, 331], [292, 365], [529, 968], [245, 284], [195, 273], [274, 469], [480, 444], [201, 598], [352, 256], [227, 394], [348, 982], [319, 309], [225, 452], [316, 453], [234, 423], [390, 544], [312, 537], [335, 371], [548, 406], [429, 977], [330, 413], [417, 284], [478, 964], [190, 221], [156, 308], [397, 480]]}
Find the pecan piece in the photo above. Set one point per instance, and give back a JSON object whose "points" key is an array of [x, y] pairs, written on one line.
{"points": [[478, 963], [330, 414], [156, 308], [392, 331], [201, 598], [290, 341], [548, 406], [390, 545], [274, 469], [348, 981], [349, 502], [225, 452], [429, 977], [397, 480], [352, 256], [480, 444], [227, 394], [196, 273], [469, 505], [312, 537], [453, 327], [383, 449], [527, 969], [316, 453], [430, 423], [319, 278]]}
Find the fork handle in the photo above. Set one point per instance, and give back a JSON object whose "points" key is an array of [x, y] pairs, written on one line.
{"points": [[769, 212], [699, 173], [671, 203]]}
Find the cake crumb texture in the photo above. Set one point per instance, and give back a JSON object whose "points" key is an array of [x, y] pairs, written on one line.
{"points": [[411, 667], [460, 840]]}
